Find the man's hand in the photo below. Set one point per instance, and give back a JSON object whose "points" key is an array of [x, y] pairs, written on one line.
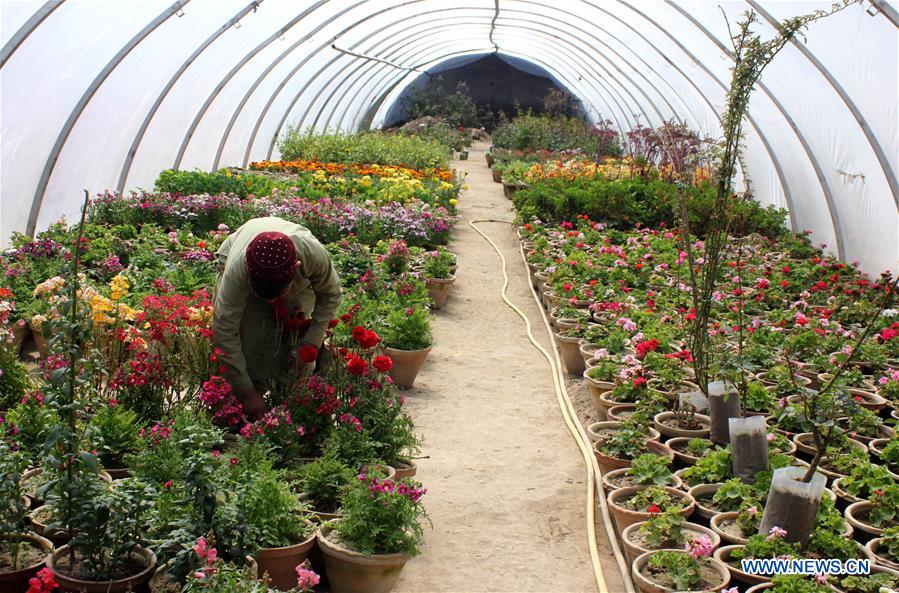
{"points": [[253, 404]]}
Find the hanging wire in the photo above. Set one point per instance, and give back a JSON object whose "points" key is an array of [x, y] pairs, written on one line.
{"points": [[374, 59], [493, 27]]}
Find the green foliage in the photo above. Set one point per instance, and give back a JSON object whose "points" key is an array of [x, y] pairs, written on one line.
{"points": [[889, 543], [749, 517], [437, 264], [371, 147], [456, 108], [169, 447], [113, 432], [864, 478], [872, 583], [732, 494], [30, 422], [885, 507], [14, 379], [762, 546], [535, 132], [890, 452], [408, 329], [699, 447], [827, 544], [381, 516], [712, 468], [796, 583], [324, 480], [651, 496], [628, 442], [222, 181], [649, 469], [13, 512], [665, 529], [678, 566]]}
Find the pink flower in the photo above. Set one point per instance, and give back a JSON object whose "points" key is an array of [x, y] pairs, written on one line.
{"points": [[776, 533], [821, 578], [753, 511], [306, 579], [731, 590], [700, 547], [770, 436], [200, 547]]}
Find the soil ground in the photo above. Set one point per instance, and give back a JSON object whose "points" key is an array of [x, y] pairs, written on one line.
{"points": [[506, 479]]}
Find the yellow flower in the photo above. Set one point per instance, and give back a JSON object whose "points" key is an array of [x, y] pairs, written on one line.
{"points": [[118, 288], [453, 201]]}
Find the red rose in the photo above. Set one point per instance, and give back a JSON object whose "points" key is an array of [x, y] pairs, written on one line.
{"points": [[333, 323], [369, 340], [382, 363], [307, 353], [358, 332], [357, 366]]}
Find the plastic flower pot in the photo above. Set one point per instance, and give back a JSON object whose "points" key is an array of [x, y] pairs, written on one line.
{"points": [[666, 423], [406, 364], [439, 290], [57, 562], [352, 572], [280, 563], [624, 516], [717, 576], [634, 545], [17, 580]]}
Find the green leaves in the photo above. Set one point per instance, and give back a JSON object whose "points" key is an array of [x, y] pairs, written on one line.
{"points": [[650, 469]]}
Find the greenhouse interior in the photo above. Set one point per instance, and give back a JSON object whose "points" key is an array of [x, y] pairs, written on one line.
{"points": [[360, 296]]}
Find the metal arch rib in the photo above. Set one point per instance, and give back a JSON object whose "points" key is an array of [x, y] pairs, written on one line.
{"points": [[771, 155], [825, 187], [69, 125], [132, 152], [593, 59], [265, 72], [227, 78], [847, 100], [442, 27], [33, 22], [887, 10], [408, 43], [612, 62], [604, 44]]}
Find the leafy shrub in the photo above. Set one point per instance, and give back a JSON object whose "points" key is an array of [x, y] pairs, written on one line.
{"points": [[534, 132], [323, 480], [371, 147], [408, 329], [222, 181]]}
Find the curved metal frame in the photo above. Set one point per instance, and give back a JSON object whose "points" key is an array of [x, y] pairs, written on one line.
{"points": [[33, 22], [88, 94]]}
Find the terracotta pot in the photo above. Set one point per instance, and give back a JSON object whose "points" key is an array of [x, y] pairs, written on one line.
{"points": [[869, 400], [873, 548], [682, 458], [597, 389], [624, 516], [649, 586], [489, 158], [20, 333], [406, 364], [588, 351], [704, 490], [497, 175], [723, 554], [132, 583], [570, 353], [597, 429], [805, 443], [389, 472], [633, 549], [715, 524], [17, 580], [281, 563], [800, 380], [320, 515], [846, 497], [610, 480], [672, 394], [59, 538], [863, 531], [603, 403], [404, 468], [622, 412], [352, 572], [439, 289], [660, 423]]}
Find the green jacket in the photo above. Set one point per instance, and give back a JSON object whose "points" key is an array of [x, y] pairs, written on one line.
{"points": [[245, 328]]}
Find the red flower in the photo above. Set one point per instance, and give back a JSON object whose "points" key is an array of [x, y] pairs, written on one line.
{"points": [[333, 323], [645, 347], [233, 461], [382, 363], [653, 508], [307, 353], [639, 382], [357, 366], [44, 582]]}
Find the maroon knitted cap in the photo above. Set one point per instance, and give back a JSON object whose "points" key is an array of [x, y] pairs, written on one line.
{"points": [[270, 259]]}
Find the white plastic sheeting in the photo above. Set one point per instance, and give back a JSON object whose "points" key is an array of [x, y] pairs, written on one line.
{"points": [[103, 94]]}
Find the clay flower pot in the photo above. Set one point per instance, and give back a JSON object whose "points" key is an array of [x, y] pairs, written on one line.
{"points": [[666, 423], [647, 585], [406, 365], [723, 554], [618, 478], [439, 289], [588, 351], [404, 468], [847, 498], [597, 389], [17, 580], [280, 563], [704, 491], [320, 515], [868, 400], [598, 429], [806, 444], [132, 583], [633, 545], [854, 513], [608, 463], [718, 524], [622, 412], [873, 548], [570, 353], [624, 516], [39, 525], [352, 572], [681, 457]]}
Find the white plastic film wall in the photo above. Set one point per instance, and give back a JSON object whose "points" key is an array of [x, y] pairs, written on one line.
{"points": [[104, 94]]}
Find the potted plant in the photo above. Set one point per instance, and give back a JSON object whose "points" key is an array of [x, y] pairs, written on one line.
{"points": [[665, 571], [322, 482], [872, 583], [792, 583], [113, 431], [618, 449], [760, 546], [683, 422], [407, 341], [22, 553], [863, 480], [881, 511], [600, 376], [727, 496], [886, 547], [668, 529], [380, 531], [438, 275], [646, 470], [734, 527], [638, 503], [687, 451]]}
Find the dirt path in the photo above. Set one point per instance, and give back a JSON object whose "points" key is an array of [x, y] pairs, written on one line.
{"points": [[506, 480]]}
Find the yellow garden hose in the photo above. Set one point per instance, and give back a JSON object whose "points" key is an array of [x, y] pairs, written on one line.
{"points": [[594, 475]]}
